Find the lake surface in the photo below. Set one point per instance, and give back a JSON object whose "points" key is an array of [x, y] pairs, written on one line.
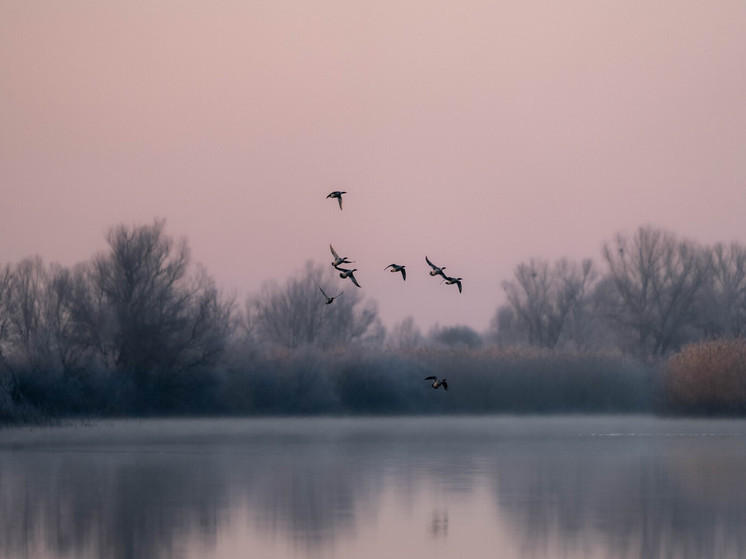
{"points": [[473, 487]]}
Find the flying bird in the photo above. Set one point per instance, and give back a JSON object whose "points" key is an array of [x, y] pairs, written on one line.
{"points": [[338, 195], [348, 274], [337, 259], [450, 281], [437, 382], [435, 270], [329, 300], [398, 268]]}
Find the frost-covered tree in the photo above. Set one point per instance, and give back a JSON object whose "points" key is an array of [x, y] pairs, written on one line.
{"points": [[294, 313]]}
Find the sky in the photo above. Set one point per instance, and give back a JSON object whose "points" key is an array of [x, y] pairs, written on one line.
{"points": [[480, 133]]}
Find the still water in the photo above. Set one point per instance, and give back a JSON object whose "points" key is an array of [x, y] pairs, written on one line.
{"points": [[348, 488]]}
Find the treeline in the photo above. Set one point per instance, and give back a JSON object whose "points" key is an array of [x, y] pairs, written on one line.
{"points": [[115, 334], [140, 330], [653, 294]]}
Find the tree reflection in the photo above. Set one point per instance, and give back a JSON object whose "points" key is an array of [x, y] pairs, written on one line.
{"points": [[314, 483], [143, 500], [649, 496]]}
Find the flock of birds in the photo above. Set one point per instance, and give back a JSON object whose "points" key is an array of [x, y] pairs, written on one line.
{"points": [[395, 268]]}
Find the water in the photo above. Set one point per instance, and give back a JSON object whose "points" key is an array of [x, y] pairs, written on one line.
{"points": [[368, 488]]}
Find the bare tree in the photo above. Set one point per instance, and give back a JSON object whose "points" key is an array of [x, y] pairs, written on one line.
{"points": [[38, 324], [5, 278], [656, 279], [505, 329], [60, 329], [30, 309], [294, 314], [210, 322], [405, 335], [576, 282], [94, 317], [25, 308], [548, 304], [163, 321], [722, 301]]}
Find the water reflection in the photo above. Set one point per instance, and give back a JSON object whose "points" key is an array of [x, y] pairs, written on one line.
{"points": [[642, 495], [609, 487], [439, 524]]}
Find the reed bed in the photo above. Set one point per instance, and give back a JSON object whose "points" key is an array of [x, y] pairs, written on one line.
{"points": [[707, 378]]}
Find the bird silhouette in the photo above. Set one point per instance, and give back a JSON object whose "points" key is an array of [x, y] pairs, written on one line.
{"points": [[451, 281], [329, 300], [338, 195], [398, 268], [348, 274], [438, 382], [436, 271], [338, 260]]}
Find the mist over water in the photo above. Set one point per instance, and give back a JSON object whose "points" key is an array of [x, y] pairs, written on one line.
{"points": [[395, 487]]}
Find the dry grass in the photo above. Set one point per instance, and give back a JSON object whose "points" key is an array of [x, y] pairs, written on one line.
{"points": [[708, 377]]}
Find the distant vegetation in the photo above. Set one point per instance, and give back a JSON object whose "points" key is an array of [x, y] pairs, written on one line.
{"points": [[140, 330], [708, 378]]}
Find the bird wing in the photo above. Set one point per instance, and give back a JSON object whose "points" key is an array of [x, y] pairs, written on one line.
{"points": [[389, 266], [403, 273], [339, 199], [323, 293], [458, 282], [433, 266], [334, 252], [352, 277], [445, 384], [431, 378]]}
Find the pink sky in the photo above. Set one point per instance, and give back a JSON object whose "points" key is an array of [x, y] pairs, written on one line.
{"points": [[481, 133]]}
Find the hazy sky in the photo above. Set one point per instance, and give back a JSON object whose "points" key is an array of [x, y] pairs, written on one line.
{"points": [[481, 133]]}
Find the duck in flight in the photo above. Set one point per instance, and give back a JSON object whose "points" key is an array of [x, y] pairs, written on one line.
{"points": [[398, 268], [348, 274], [337, 259], [329, 300], [450, 281], [338, 195], [436, 271], [438, 382]]}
